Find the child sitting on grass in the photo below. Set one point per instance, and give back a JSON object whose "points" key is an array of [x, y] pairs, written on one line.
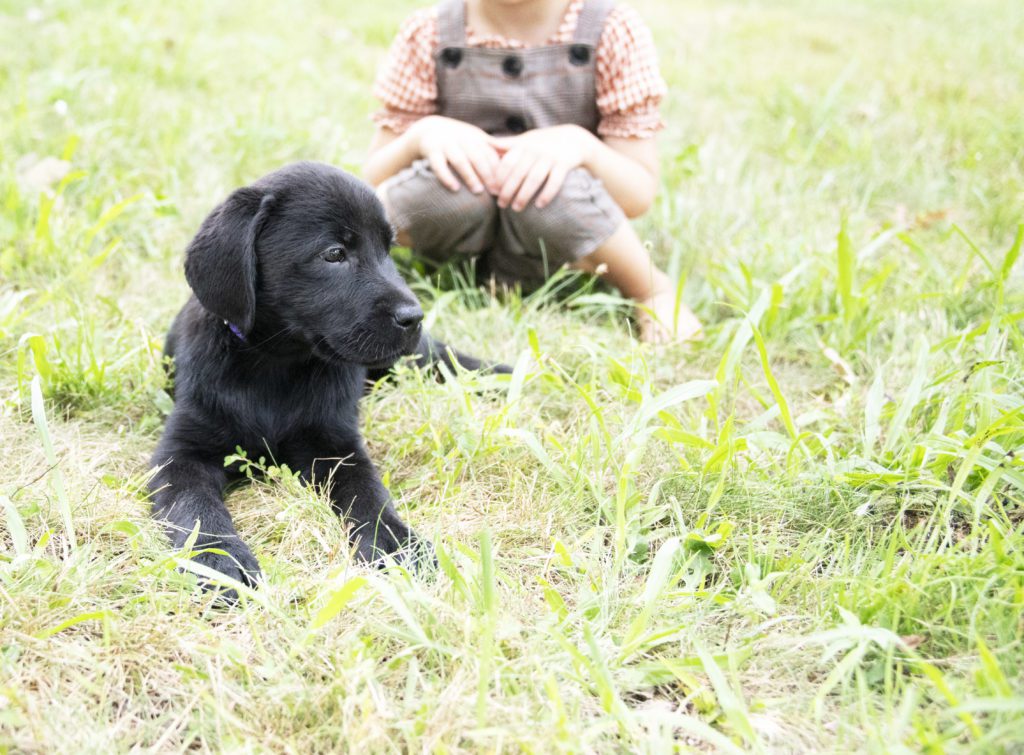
{"points": [[523, 132]]}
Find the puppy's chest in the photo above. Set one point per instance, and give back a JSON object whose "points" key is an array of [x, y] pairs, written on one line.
{"points": [[275, 405]]}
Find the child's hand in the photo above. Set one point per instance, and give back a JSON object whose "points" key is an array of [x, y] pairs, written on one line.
{"points": [[541, 157], [447, 143]]}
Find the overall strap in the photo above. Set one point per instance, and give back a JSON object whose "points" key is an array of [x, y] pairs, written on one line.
{"points": [[451, 23], [591, 21]]}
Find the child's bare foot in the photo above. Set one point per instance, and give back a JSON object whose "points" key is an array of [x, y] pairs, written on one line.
{"points": [[655, 317]]}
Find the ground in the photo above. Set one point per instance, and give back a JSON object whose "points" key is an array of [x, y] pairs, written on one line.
{"points": [[803, 534]]}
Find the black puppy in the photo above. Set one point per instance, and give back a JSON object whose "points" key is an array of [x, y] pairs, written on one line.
{"points": [[296, 299]]}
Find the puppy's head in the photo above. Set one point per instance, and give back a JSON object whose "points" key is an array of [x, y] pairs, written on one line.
{"points": [[300, 260]]}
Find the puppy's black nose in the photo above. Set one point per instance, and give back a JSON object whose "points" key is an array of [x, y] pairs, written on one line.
{"points": [[408, 316]]}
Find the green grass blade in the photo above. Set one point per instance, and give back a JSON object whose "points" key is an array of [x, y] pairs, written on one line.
{"points": [[337, 602], [845, 265], [63, 503], [15, 526], [898, 425], [733, 707], [773, 384]]}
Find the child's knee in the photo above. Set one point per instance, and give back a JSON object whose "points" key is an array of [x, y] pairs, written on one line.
{"points": [[577, 221], [436, 219]]}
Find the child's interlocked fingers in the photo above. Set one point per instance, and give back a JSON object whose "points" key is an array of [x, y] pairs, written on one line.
{"points": [[450, 144], [541, 157]]}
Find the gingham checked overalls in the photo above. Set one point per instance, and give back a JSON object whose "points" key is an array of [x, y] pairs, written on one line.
{"points": [[506, 92]]}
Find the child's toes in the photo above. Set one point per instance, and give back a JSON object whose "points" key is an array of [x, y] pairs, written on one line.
{"points": [[651, 330], [688, 327], [654, 318]]}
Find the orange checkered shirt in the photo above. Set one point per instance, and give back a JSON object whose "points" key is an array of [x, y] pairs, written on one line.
{"points": [[629, 85]]}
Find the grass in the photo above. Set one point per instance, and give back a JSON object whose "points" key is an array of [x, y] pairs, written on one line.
{"points": [[804, 534]]}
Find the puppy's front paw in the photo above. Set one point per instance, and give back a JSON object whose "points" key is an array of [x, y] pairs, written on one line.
{"points": [[373, 546], [235, 562], [418, 556], [497, 368], [397, 542]]}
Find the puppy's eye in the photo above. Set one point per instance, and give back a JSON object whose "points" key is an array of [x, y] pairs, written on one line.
{"points": [[334, 254]]}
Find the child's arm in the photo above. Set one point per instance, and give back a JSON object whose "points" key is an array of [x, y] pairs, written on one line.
{"points": [[452, 147], [628, 168], [542, 157], [389, 152]]}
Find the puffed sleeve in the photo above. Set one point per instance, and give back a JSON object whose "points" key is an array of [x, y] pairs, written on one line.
{"points": [[406, 84], [629, 84]]}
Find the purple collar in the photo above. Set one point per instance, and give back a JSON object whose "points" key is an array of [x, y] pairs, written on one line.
{"points": [[236, 330]]}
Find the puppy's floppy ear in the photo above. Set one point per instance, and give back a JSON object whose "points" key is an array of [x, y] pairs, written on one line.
{"points": [[220, 263]]}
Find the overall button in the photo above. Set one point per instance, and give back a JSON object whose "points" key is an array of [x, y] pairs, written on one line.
{"points": [[579, 55], [512, 66], [451, 57], [515, 124]]}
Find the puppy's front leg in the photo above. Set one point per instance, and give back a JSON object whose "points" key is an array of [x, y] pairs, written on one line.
{"points": [[187, 490], [431, 352], [358, 495]]}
